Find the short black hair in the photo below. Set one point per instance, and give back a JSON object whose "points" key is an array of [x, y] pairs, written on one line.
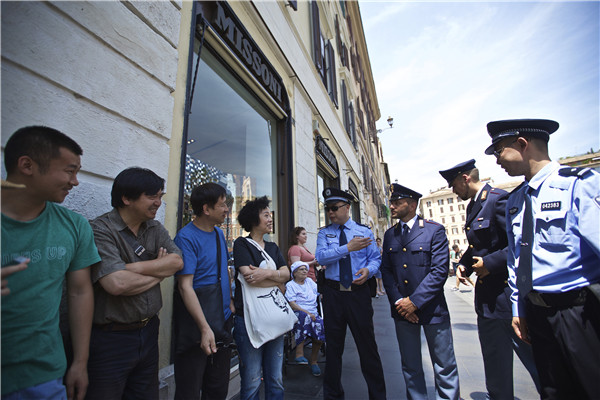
{"points": [[40, 143], [249, 214], [132, 183], [208, 193]]}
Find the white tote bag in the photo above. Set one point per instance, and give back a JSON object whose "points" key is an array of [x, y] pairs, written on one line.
{"points": [[267, 313]]}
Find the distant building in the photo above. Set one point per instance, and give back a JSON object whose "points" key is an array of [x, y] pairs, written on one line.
{"points": [[448, 209], [590, 160]]}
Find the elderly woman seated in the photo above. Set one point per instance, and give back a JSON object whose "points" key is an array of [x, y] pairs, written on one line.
{"points": [[302, 295]]}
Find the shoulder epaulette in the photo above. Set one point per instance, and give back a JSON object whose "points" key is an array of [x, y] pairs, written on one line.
{"points": [[366, 226], [573, 171], [497, 191], [429, 221], [323, 227]]}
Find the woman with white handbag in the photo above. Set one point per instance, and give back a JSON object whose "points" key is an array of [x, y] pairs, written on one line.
{"points": [[263, 314]]}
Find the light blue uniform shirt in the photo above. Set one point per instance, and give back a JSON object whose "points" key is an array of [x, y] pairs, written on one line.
{"points": [[566, 245], [329, 250]]}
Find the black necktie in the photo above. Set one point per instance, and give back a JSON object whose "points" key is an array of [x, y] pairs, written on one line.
{"points": [[470, 207], [345, 263], [524, 284], [404, 233]]}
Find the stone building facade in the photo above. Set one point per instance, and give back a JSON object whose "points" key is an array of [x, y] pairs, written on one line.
{"points": [[268, 98]]}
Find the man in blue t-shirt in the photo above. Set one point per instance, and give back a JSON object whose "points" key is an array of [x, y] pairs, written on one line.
{"points": [[56, 244], [205, 366]]}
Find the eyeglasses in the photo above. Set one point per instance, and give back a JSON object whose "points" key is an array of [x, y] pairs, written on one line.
{"points": [[498, 152], [334, 208]]}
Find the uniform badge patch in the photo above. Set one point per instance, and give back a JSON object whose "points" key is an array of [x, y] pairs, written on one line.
{"points": [[421, 223], [551, 206], [331, 235], [513, 210], [484, 195]]}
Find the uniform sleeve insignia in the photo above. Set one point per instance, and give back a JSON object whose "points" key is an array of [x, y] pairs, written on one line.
{"points": [[513, 210], [484, 195]]}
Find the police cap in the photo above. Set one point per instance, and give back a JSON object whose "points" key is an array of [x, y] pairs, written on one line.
{"points": [[401, 192], [332, 194], [535, 128], [451, 173]]}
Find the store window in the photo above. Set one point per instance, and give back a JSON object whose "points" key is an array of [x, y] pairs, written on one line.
{"points": [[324, 180], [231, 140]]}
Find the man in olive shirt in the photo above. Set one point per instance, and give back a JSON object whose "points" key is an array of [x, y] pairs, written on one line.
{"points": [[137, 254]]}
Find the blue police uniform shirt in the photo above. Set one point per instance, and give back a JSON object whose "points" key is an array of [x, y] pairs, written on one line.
{"points": [[329, 251], [566, 245]]}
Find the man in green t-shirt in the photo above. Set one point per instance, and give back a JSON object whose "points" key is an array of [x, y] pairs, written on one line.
{"points": [[57, 244]]}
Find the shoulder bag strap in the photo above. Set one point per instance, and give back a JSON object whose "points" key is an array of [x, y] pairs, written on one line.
{"points": [[138, 249], [218, 255]]}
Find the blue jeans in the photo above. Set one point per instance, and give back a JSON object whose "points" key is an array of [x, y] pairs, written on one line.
{"points": [[269, 357], [124, 364], [51, 390], [441, 350]]}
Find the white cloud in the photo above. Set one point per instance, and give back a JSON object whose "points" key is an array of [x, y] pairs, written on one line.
{"points": [[453, 67]]}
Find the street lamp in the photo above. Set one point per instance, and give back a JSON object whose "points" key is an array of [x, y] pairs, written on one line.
{"points": [[390, 122]]}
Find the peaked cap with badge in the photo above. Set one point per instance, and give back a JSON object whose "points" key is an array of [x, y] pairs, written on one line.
{"points": [[535, 128], [331, 194], [451, 173], [401, 192]]}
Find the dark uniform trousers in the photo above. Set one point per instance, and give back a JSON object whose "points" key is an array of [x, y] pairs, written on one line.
{"points": [[566, 341], [351, 309]]}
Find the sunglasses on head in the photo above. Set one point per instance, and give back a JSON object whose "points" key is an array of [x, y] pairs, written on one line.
{"points": [[333, 208]]}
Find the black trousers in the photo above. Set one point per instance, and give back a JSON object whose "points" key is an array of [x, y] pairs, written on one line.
{"points": [[124, 364], [351, 309], [195, 372], [566, 348]]}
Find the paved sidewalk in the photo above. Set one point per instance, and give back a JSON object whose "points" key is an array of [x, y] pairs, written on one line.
{"points": [[301, 385]]}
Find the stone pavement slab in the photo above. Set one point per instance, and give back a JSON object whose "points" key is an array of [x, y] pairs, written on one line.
{"points": [[300, 384]]}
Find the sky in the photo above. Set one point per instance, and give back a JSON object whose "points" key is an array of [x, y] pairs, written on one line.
{"points": [[443, 70]]}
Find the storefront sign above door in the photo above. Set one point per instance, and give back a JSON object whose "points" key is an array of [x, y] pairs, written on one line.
{"points": [[224, 21]]}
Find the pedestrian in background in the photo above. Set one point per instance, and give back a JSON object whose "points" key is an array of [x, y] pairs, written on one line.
{"points": [[299, 252], [553, 224], [302, 294]]}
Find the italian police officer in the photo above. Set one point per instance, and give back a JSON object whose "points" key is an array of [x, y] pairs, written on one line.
{"points": [[485, 228], [414, 268], [553, 223], [350, 255]]}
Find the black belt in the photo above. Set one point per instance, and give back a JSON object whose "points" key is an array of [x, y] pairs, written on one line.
{"points": [[115, 326], [338, 286], [575, 297]]}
